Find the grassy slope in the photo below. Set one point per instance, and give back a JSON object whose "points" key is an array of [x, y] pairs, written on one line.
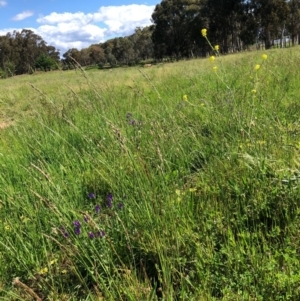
{"points": [[205, 193]]}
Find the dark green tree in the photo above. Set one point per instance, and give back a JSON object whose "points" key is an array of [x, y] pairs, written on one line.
{"points": [[271, 16], [293, 20], [142, 42], [44, 62], [174, 21], [19, 52]]}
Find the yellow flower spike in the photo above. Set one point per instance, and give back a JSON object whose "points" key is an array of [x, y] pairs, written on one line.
{"points": [[212, 58], [217, 47], [204, 32], [253, 91], [264, 56], [184, 98], [215, 68], [257, 67]]}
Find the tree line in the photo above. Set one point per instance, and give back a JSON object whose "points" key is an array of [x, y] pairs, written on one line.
{"points": [[234, 25], [23, 52]]}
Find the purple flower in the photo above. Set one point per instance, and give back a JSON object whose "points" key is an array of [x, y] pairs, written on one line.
{"points": [[109, 200], [91, 235], [77, 230], [77, 224], [97, 208], [86, 218], [64, 232], [120, 206], [92, 196], [100, 233]]}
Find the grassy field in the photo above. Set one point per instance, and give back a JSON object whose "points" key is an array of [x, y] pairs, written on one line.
{"points": [[116, 186]]}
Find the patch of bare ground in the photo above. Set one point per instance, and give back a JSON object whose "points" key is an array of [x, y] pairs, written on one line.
{"points": [[5, 124]]}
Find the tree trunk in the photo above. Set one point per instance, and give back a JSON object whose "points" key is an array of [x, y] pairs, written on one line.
{"points": [[268, 43]]}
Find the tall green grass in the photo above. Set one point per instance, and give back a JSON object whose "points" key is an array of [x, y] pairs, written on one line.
{"points": [[173, 199]]}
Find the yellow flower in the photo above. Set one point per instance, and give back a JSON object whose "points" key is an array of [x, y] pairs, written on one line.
{"points": [[178, 192], [253, 91], [64, 271], [257, 66], [217, 47], [184, 97], [53, 261], [192, 189], [43, 271], [264, 56], [24, 219], [204, 32], [215, 68], [261, 142], [212, 58], [7, 227]]}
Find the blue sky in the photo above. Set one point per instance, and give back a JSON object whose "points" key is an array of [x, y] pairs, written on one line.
{"points": [[79, 23]]}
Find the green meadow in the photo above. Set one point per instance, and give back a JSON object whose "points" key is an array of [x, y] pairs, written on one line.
{"points": [[176, 182]]}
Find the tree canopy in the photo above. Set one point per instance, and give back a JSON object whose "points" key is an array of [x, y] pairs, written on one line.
{"points": [[232, 24], [175, 33], [19, 52]]}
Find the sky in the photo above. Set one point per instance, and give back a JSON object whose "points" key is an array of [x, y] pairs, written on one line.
{"points": [[68, 24]]}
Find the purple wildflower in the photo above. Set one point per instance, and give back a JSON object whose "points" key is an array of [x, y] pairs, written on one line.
{"points": [[91, 235], [92, 196], [64, 232], [120, 206], [100, 233], [77, 224], [109, 200], [77, 230], [86, 218], [97, 208]]}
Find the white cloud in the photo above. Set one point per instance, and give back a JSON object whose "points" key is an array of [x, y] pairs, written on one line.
{"points": [[71, 35], [3, 32], [23, 15], [55, 18], [79, 30], [124, 18], [3, 3]]}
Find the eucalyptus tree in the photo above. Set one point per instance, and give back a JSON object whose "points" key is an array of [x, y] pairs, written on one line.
{"points": [[175, 23], [271, 16], [293, 20], [20, 50], [142, 42]]}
